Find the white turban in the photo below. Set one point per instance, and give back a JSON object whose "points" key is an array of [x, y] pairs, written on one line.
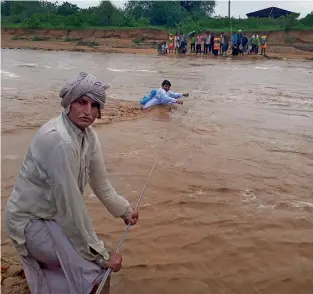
{"points": [[84, 84]]}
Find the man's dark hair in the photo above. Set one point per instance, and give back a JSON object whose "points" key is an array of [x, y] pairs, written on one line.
{"points": [[166, 82]]}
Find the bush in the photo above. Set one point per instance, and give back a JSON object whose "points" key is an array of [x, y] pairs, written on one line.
{"points": [[138, 40], [74, 20], [88, 43], [69, 39], [44, 20], [40, 38], [130, 21]]}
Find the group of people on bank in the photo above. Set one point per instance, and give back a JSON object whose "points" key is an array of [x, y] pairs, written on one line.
{"points": [[210, 43]]}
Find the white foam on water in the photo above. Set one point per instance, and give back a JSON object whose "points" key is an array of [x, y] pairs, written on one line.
{"points": [[266, 206], [129, 70], [11, 157], [247, 195], [302, 204], [114, 69], [27, 64], [258, 67], [7, 88], [61, 66], [8, 75], [145, 70], [21, 64]]}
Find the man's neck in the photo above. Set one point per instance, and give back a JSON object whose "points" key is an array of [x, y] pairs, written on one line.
{"points": [[75, 125]]}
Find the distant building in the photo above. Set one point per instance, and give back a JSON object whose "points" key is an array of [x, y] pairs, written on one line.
{"points": [[273, 12]]}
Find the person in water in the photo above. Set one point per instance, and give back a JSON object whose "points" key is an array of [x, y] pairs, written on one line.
{"points": [[162, 96]]}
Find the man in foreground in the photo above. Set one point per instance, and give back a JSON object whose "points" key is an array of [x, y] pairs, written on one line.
{"points": [[162, 96], [46, 216]]}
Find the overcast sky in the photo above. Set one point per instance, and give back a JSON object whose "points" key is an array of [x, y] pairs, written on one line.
{"points": [[238, 8]]}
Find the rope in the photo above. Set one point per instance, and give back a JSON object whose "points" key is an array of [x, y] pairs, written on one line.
{"points": [[109, 270]]}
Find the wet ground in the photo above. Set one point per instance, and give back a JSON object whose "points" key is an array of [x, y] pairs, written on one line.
{"points": [[229, 205]]}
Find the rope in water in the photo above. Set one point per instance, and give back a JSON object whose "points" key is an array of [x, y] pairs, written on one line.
{"points": [[109, 270]]}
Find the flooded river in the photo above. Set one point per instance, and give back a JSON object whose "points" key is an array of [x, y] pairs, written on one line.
{"points": [[229, 208]]}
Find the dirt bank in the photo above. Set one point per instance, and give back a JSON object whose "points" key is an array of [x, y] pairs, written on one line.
{"points": [[289, 45], [12, 277], [290, 37], [150, 34], [106, 41]]}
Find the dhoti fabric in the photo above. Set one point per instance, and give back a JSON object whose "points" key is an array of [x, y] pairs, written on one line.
{"points": [[52, 264]]}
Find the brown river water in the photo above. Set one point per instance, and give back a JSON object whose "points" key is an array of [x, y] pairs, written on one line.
{"points": [[229, 207]]}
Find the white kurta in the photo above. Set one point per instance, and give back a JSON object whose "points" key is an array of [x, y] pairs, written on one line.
{"points": [[60, 161], [163, 97]]}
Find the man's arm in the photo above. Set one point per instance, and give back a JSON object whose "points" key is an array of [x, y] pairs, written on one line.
{"points": [[177, 95], [99, 183], [174, 95]]}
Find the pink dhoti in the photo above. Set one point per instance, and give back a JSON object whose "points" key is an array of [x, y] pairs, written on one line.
{"points": [[53, 265]]}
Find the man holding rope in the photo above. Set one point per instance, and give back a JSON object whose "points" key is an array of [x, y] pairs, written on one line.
{"points": [[162, 96], [46, 217]]}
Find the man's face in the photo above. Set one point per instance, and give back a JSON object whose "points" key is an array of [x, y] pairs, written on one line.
{"points": [[84, 112], [166, 87]]}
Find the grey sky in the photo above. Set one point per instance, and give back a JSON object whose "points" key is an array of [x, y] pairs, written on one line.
{"points": [[238, 8]]}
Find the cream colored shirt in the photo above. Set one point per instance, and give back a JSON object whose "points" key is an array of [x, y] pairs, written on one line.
{"points": [[59, 163]]}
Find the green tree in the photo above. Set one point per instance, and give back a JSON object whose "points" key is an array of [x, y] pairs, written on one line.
{"points": [[106, 14], [308, 20], [290, 21], [168, 13], [21, 10], [194, 7], [160, 13], [6, 8], [67, 9], [137, 9]]}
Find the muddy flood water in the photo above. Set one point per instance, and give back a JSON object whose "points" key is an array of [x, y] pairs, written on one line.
{"points": [[229, 207]]}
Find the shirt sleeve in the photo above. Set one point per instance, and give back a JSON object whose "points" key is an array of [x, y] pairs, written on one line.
{"points": [[99, 183], [174, 95]]}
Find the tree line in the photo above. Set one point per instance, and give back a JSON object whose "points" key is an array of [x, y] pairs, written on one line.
{"points": [[173, 15]]}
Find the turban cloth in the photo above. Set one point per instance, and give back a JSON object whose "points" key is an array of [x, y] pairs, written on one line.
{"points": [[84, 84]]}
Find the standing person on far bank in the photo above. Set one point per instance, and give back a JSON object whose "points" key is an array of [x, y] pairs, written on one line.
{"points": [[198, 44], [263, 41], [208, 43], [211, 47], [192, 43], [46, 217], [221, 43], [225, 45]]}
